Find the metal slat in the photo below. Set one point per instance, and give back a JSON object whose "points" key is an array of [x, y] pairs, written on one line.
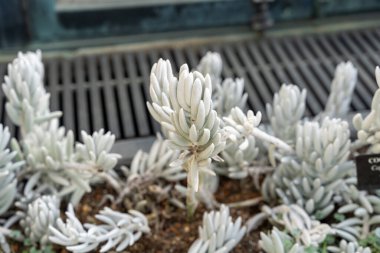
{"points": [[109, 99], [361, 91], [82, 108], [312, 103], [68, 101], [53, 85], [326, 80], [356, 59], [261, 66], [314, 86], [137, 98], [96, 108], [253, 95], [145, 71], [124, 104]]}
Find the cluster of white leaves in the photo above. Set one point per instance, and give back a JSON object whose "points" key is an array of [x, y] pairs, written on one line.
{"points": [[52, 159], [318, 170], [41, 214], [228, 95], [218, 233], [28, 102], [286, 111], [116, 229], [348, 247], [212, 65], [369, 127], [360, 215], [96, 149], [342, 87], [277, 241], [184, 110], [294, 231], [8, 182]]}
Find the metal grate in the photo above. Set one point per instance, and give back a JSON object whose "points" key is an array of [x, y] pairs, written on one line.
{"points": [[109, 90]]}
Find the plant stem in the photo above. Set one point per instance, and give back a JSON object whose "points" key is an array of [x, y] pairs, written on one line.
{"points": [[269, 138]]}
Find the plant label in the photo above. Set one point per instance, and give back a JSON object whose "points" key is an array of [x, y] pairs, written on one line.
{"points": [[368, 171]]}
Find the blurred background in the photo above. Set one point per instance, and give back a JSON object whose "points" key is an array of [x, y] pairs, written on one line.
{"points": [[98, 53]]}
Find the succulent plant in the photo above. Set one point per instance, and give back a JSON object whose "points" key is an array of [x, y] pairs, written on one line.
{"points": [[184, 110], [316, 173], [211, 64], [342, 87], [28, 102], [228, 95], [8, 181], [116, 229], [218, 233], [348, 247], [286, 111], [42, 213], [368, 128]]}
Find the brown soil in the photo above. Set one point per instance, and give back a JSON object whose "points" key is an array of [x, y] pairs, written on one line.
{"points": [[171, 232]]}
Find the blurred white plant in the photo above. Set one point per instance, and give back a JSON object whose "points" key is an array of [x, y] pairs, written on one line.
{"points": [[294, 231], [147, 168], [40, 215], [218, 233], [116, 229], [368, 129], [286, 112], [348, 247], [8, 181], [228, 95], [28, 102], [342, 87], [184, 110], [211, 64]]}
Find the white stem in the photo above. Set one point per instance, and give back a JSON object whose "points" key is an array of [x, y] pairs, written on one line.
{"points": [[269, 138], [245, 203]]}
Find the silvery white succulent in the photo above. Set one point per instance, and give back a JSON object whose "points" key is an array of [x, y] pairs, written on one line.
{"points": [[305, 230], [228, 95], [239, 125], [211, 64], [238, 158], [369, 127], [277, 241], [149, 167], [8, 181], [95, 150], [286, 111], [116, 229], [348, 247], [218, 233], [315, 175], [342, 87], [28, 102], [184, 110], [40, 215], [361, 215]]}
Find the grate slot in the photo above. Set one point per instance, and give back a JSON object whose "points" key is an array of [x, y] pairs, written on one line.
{"points": [[258, 60], [109, 99], [314, 86], [137, 98], [145, 70], [254, 82], [82, 108], [293, 72], [96, 109], [69, 115], [359, 89], [273, 62], [366, 44]]}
